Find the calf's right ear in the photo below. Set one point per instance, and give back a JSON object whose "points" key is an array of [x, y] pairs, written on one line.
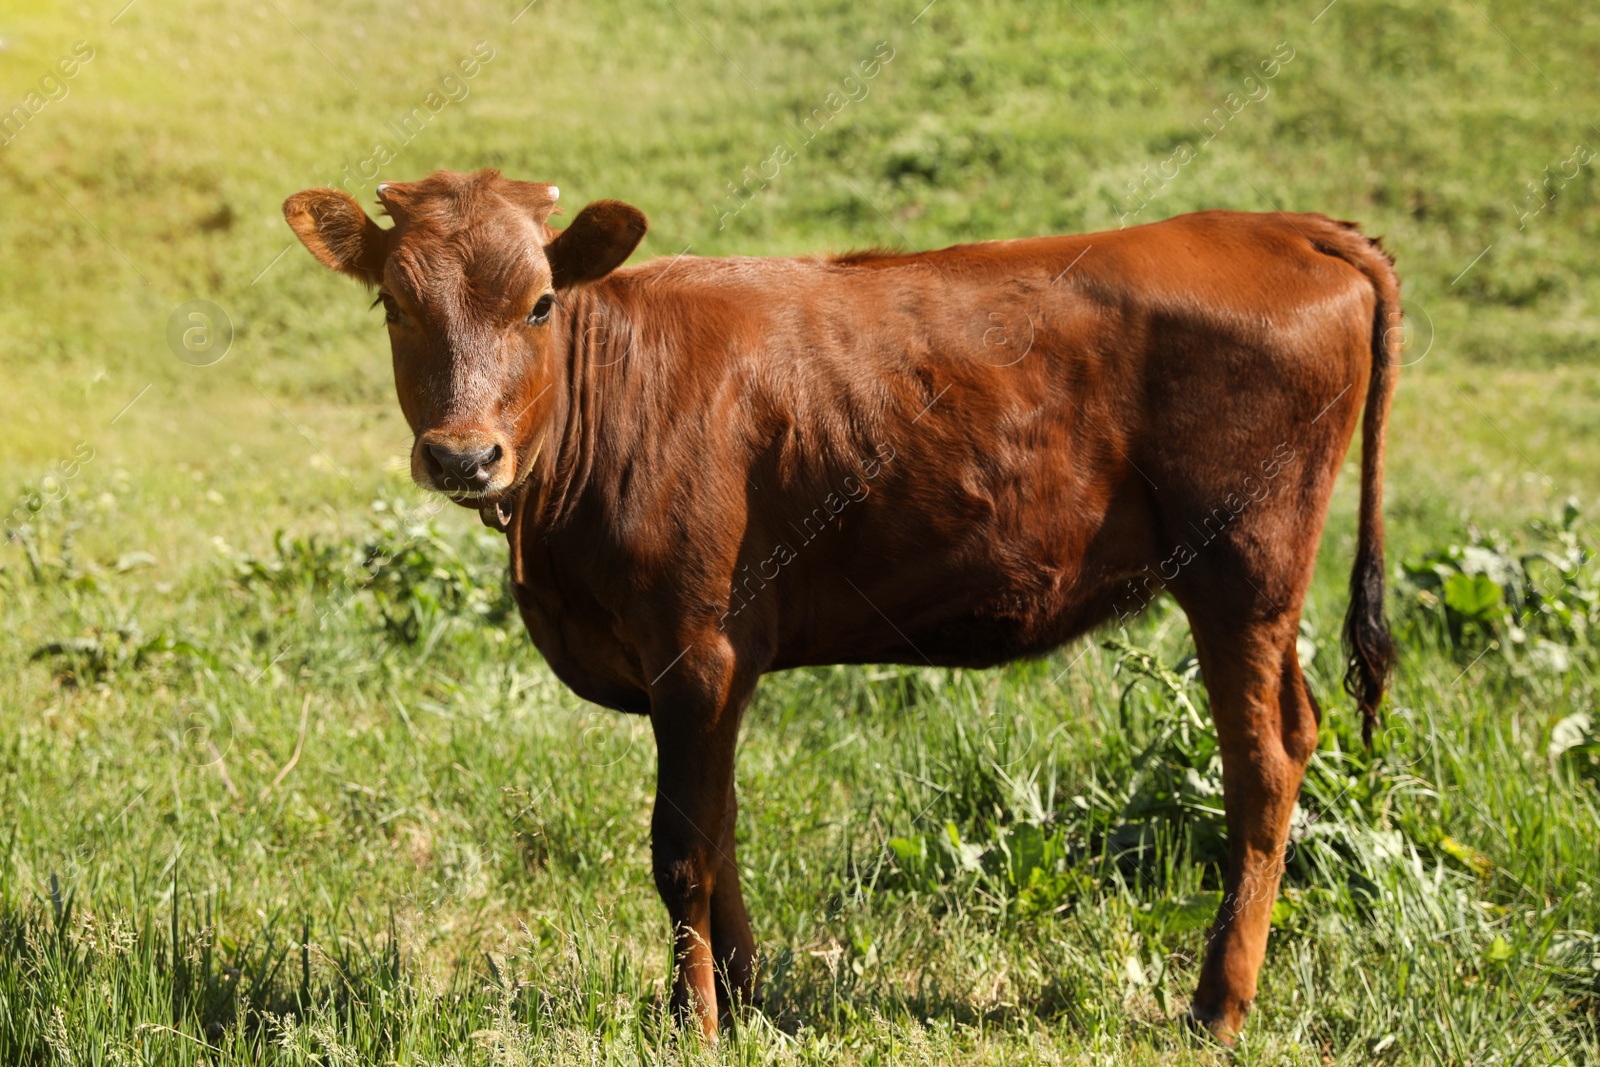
{"points": [[332, 225]]}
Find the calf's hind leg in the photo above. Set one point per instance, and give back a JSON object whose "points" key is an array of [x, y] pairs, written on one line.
{"points": [[1266, 724]]}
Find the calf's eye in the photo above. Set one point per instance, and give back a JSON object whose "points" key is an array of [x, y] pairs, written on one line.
{"points": [[391, 310], [541, 310]]}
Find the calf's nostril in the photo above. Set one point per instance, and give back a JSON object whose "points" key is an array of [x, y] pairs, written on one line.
{"points": [[445, 457]]}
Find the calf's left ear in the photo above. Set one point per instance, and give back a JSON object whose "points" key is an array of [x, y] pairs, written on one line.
{"points": [[332, 225], [601, 237]]}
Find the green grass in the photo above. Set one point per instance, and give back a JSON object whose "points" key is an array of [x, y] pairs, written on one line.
{"points": [[450, 863]]}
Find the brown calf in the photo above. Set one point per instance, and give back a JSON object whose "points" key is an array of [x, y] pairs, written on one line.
{"points": [[708, 469]]}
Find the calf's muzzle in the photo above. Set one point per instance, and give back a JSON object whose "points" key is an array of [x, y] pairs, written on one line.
{"points": [[457, 465]]}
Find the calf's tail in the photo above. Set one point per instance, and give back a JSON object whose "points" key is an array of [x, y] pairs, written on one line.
{"points": [[1369, 649]]}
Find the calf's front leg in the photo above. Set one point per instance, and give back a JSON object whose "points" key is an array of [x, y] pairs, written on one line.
{"points": [[695, 711], [732, 944]]}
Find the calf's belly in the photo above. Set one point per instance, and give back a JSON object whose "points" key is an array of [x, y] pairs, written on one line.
{"points": [[948, 623]]}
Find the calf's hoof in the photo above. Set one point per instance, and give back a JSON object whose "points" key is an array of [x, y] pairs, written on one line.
{"points": [[690, 1017], [1222, 1025]]}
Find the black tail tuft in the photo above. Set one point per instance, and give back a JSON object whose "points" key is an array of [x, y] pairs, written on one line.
{"points": [[1369, 649]]}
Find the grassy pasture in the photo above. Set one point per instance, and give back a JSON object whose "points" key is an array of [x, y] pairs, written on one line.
{"points": [[281, 780]]}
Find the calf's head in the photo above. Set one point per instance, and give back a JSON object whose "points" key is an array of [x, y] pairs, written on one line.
{"points": [[470, 279]]}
